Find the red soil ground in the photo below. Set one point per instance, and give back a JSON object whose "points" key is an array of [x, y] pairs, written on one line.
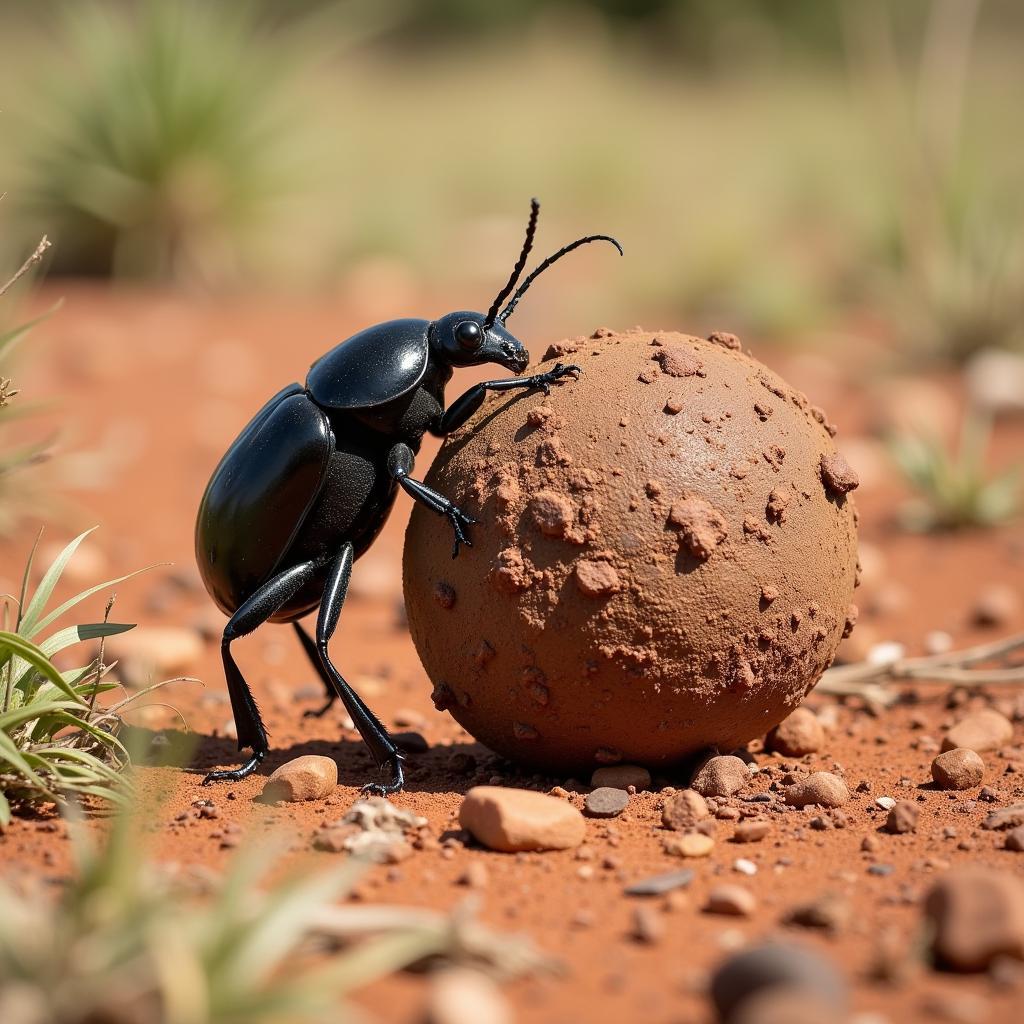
{"points": [[149, 391]]}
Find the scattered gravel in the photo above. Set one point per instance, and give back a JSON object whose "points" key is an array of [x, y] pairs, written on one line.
{"points": [[512, 820], [799, 734], [959, 768], [721, 776]]}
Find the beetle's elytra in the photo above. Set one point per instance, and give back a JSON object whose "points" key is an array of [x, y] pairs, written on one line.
{"points": [[308, 484]]}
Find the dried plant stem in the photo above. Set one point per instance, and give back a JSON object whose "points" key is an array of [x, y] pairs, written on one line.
{"points": [[869, 680], [459, 935], [37, 255]]}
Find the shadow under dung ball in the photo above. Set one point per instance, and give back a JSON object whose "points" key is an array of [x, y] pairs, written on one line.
{"points": [[664, 559]]}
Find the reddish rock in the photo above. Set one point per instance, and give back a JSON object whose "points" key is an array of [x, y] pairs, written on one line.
{"points": [[959, 768], [682, 811], [821, 788], [976, 915], [731, 900], [799, 734], [721, 776], [902, 818]]}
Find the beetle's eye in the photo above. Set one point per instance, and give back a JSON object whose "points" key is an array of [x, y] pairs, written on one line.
{"points": [[468, 335]]}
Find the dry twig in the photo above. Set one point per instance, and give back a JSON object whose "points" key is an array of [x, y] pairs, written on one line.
{"points": [[37, 255], [991, 664]]}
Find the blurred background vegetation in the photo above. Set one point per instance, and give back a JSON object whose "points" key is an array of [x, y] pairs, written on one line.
{"points": [[843, 166]]}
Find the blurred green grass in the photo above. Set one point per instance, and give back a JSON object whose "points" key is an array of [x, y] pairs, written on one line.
{"points": [[762, 163]]}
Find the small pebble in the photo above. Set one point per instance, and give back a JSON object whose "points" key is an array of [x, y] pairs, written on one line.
{"points": [[721, 776], [821, 788], [683, 810], [777, 966], [980, 731], [959, 768], [648, 925], [976, 914], [731, 900], [460, 995], [745, 867], [902, 818], [656, 885], [606, 802], [310, 777], [689, 844], [799, 734], [621, 776], [751, 831]]}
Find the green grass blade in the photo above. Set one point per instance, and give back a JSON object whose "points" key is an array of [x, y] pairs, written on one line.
{"points": [[12, 336], [5, 811], [11, 643], [78, 598], [30, 618], [76, 634]]}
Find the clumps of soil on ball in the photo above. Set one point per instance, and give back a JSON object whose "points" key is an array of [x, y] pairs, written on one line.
{"points": [[662, 539]]}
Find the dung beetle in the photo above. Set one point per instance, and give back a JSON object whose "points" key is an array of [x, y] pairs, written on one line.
{"points": [[309, 482]]}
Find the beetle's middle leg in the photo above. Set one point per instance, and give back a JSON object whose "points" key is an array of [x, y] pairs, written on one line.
{"points": [[400, 464], [383, 748]]}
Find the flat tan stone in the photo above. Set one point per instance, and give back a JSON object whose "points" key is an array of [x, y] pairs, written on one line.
{"points": [[511, 820], [310, 777]]}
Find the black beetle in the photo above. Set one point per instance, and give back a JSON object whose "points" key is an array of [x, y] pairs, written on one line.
{"points": [[307, 485]]}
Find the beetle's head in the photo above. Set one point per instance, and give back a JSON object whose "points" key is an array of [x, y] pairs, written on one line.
{"points": [[468, 339]]}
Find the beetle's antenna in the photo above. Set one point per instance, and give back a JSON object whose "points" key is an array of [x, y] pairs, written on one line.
{"points": [[564, 251], [531, 230]]}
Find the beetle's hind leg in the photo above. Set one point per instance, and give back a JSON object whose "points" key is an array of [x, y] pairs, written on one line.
{"points": [[380, 744], [252, 614]]}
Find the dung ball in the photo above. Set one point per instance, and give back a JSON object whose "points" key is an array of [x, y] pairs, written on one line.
{"points": [[664, 558]]}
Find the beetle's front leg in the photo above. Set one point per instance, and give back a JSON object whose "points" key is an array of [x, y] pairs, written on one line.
{"points": [[400, 464], [465, 405]]}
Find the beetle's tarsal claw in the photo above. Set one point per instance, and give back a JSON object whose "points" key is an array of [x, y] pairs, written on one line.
{"points": [[396, 782]]}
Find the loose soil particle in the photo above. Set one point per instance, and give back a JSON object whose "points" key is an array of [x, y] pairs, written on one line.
{"points": [[821, 788], [683, 811], [799, 734]]}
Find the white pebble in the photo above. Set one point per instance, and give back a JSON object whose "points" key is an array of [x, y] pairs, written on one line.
{"points": [[938, 641], [887, 803], [885, 653], [745, 867]]}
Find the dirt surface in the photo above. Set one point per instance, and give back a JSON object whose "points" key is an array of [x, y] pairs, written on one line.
{"points": [[150, 390]]}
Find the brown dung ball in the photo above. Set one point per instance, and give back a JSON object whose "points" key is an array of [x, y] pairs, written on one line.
{"points": [[664, 558]]}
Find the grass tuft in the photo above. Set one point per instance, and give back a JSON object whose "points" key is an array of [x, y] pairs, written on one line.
{"points": [[954, 488], [57, 742]]}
